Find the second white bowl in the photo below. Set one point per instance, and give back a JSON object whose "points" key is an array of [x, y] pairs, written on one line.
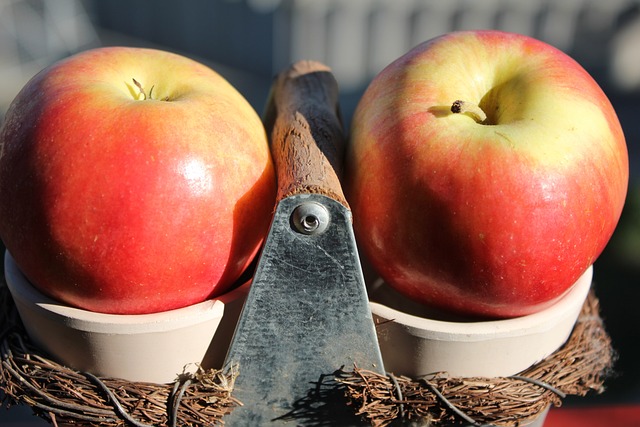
{"points": [[415, 346]]}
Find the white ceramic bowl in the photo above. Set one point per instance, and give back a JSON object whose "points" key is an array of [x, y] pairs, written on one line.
{"points": [[147, 348], [414, 345]]}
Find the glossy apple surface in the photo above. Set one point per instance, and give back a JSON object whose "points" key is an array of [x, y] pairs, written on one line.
{"points": [[133, 181], [493, 218]]}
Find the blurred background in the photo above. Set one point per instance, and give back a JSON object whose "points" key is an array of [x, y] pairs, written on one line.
{"points": [[248, 41]]}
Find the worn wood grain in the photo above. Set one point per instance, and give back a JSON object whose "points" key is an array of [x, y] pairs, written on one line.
{"points": [[305, 131]]}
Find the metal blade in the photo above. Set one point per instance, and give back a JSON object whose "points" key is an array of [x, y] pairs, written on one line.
{"points": [[307, 314]]}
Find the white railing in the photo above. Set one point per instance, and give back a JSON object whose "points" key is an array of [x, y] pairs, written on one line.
{"points": [[357, 38]]}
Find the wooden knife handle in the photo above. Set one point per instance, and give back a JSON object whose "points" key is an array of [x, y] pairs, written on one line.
{"points": [[305, 131]]}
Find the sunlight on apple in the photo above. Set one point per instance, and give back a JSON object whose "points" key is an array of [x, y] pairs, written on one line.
{"points": [[197, 176]]}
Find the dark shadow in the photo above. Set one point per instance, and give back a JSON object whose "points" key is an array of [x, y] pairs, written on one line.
{"points": [[440, 110], [252, 217], [233, 301], [324, 405]]}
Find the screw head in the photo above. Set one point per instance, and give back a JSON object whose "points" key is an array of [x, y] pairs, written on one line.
{"points": [[310, 218]]}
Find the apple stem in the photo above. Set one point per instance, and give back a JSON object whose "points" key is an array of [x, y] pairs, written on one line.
{"points": [[469, 108], [143, 93], [139, 85]]}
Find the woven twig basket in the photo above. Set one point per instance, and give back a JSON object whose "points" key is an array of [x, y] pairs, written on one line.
{"points": [[64, 396]]}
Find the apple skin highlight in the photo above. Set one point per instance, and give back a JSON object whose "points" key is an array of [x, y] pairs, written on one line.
{"points": [[494, 219], [117, 204]]}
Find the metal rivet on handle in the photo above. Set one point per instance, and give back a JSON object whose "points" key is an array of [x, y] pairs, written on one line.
{"points": [[310, 218]]}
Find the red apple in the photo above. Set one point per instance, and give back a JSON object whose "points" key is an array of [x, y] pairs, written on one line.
{"points": [[495, 217], [133, 181]]}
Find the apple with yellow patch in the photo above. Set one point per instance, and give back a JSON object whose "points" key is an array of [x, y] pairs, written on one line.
{"points": [[486, 172], [133, 181]]}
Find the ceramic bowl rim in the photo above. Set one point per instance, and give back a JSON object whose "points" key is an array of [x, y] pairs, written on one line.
{"points": [[25, 293], [567, 305]]}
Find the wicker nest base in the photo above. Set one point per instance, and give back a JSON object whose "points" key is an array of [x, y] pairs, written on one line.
{"points": [[64, 396], [579, 367]]}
